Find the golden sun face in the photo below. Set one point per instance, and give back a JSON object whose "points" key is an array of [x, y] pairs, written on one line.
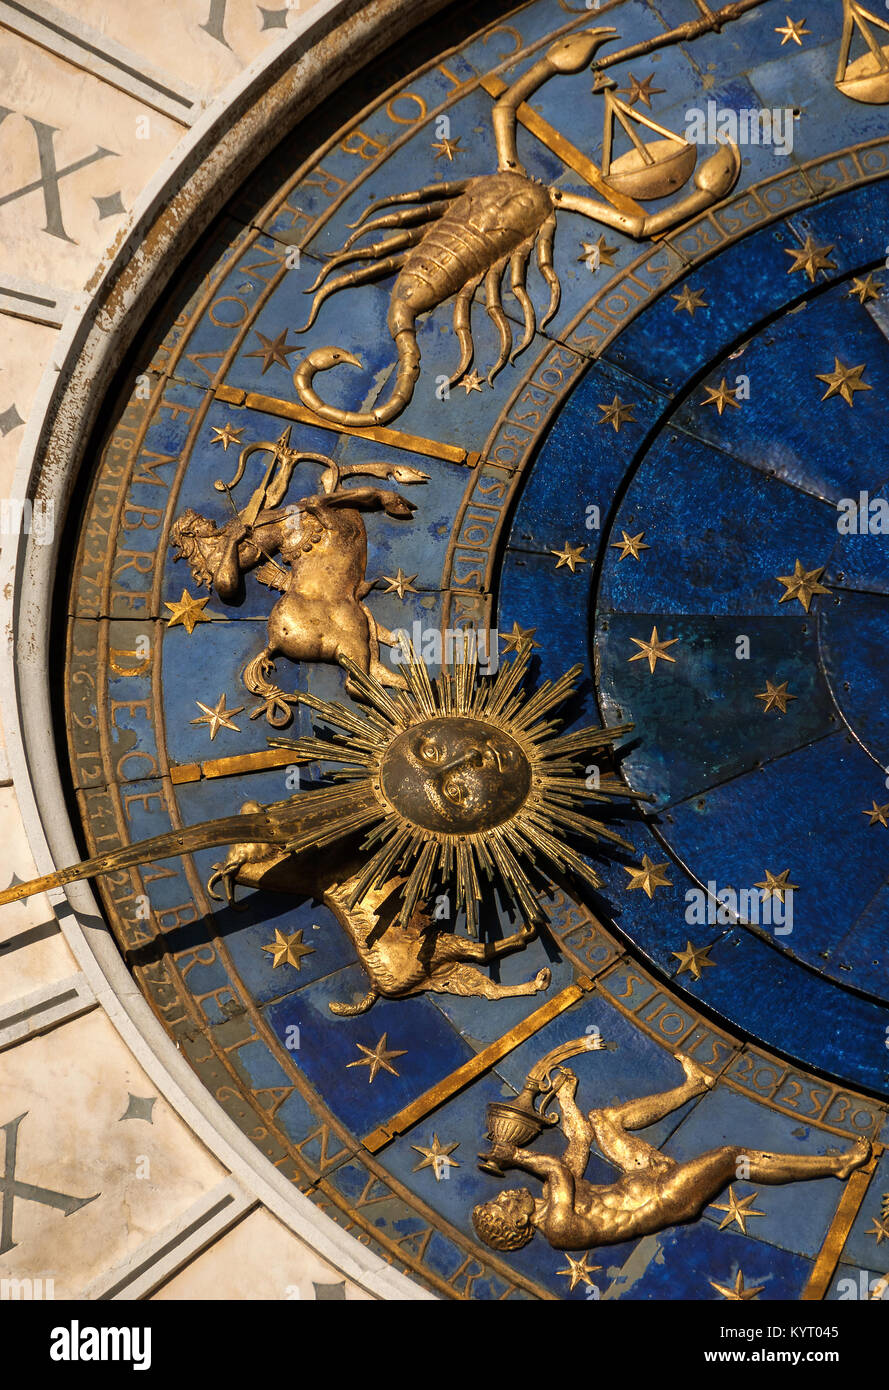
{"points": [[455, 775], [466, 775]]}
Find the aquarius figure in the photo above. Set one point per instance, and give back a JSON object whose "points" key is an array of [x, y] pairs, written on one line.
{"points": [[654, 1191]]}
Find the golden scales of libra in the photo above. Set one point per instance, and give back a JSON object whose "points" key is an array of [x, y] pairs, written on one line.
{"points": [[865, 78], [650, 168]]}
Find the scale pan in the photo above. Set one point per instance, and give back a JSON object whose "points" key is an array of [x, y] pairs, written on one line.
{"points": [[672, 163], [866, 79]]}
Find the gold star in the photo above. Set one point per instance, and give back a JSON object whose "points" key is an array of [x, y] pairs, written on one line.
{"points": [[377, 1057], [792, 30], [647, 878], [843, 381], [630, 545], [775, 697], [689, 300], [448, 148], [810, 258], [579, 1271], [272, 351], [218, 718], [880, 1230], [517, 639], [617, 414], [693, 959], [654, 649], [288, 950], [188, 611], [737, 1291], [400, 584], [471, 382], [866, 289], [776, 884], [597, 253], [802, 584], [738, 1211], [227, 435], [569, 555], [437, 1157], [879, 815], [721, 396], [639, 91]]}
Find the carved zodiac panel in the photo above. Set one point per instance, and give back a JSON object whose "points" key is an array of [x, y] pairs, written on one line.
{"points": [[475, 654]]}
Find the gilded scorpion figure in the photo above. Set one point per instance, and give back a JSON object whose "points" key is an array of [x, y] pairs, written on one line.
{"points": [[458, 234]]}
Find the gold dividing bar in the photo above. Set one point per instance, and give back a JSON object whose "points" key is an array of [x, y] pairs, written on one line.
{"points": [[844, 1217], [398, 439], [482, 1061], [568, 153], [233, 766]]}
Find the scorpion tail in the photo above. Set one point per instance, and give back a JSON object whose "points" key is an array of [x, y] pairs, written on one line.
{"points": [[322, 359]]}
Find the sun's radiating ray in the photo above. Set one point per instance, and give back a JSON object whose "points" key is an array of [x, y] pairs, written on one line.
{"points": [[458, 779]]}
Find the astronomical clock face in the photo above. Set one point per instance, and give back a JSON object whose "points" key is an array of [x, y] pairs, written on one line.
{"points": [[556, 342]]}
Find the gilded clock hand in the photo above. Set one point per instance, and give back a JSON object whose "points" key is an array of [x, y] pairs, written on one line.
{"points": [[305, 815], [449, 779]]}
